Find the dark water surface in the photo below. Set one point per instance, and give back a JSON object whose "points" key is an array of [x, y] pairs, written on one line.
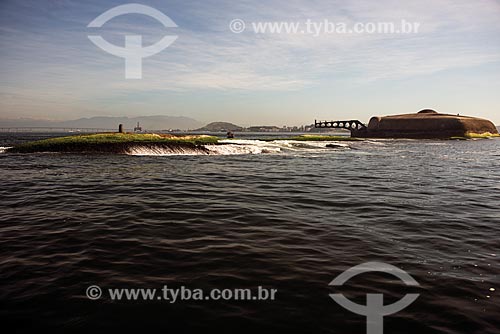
{"points": [[291, 221]]}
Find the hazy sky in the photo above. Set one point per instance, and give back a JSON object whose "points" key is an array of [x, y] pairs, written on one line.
{"points": [[50, 69]]}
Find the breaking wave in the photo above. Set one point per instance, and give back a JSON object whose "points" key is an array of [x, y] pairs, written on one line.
{"points": [[3, 149], [165, 150], [239, 147]]}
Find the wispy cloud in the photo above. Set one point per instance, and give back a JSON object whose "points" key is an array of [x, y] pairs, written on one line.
{"points": [[46, 53]]}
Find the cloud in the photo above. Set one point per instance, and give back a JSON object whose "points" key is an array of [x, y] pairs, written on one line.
{"points": [[46, 55], [214, 58]]}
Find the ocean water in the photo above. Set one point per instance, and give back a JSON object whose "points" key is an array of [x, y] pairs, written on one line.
{"points": [[287, 216]]}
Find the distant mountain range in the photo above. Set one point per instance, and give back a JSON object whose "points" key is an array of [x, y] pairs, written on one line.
{"points": [[146, 122]]}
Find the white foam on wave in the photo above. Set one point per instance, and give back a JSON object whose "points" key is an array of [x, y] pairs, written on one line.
{"points": [[224, 149], [232, 149], [3, 149], [138, 150], [279, 146], [239, 147]]}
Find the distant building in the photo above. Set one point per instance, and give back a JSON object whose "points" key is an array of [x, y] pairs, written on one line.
{"points": [[264, 129], [138, 128]]}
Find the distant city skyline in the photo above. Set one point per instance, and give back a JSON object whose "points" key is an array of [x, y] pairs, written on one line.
{"points": [[51, 70]]}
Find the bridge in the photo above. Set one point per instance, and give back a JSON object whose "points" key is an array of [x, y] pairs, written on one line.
{"points": [[352, 125]]}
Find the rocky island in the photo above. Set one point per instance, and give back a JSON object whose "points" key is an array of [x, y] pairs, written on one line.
{"points": [[426, 124], [148, 143], [118, 143]]}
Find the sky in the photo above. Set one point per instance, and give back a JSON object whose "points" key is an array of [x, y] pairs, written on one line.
{"points": [[49, 69]]}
